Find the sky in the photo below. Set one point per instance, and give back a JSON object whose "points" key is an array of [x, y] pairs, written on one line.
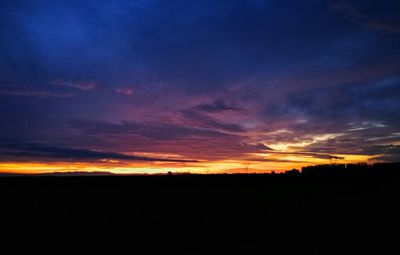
{"points": [[151, 86]]}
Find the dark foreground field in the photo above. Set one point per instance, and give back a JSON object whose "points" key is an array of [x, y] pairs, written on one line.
{"points": [[195, 214]]}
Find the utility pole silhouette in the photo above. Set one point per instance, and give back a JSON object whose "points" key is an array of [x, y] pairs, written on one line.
{"points": [[246, 167], [334, 159]]}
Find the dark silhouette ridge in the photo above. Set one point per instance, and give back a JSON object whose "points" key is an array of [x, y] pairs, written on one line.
{"points": [[326, 209], [58, 174], [353, 169]]}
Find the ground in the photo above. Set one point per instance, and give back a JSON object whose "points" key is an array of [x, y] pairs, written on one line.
{"points": [[207, 214]]}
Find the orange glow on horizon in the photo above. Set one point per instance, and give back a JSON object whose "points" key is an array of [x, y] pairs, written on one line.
{"points": [[283, 162]]}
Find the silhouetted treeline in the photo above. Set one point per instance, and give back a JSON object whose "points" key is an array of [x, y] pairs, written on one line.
{"points": [[352, 169]]}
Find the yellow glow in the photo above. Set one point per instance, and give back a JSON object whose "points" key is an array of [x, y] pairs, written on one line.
{"points": [[311, 140], [277, 161]]}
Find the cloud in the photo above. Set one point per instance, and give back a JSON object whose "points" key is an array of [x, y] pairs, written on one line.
{"points": [[273, 160], [33, 91], [219, 106], [373, 101], [81, 85], [363, 114], [40, 151], [260, 146], [387, 153], [358, 126], [15, 84], [151, 130], [356, 15], [200, 120], [177, 138], [124, 91]]}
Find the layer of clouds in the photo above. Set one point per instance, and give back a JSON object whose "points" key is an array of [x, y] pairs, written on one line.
{"points": [[206, 80], [32, 151]]}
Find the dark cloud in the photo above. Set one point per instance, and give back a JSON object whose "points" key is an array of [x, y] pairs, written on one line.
{"points": [[220, 106], [41, 151], [15, 84], [151, 130], [261, 147], [387, 152], [197, 119], [376, 101], [388, 23], [34, 91], [353, 144], [304, 153], [273, 160]]}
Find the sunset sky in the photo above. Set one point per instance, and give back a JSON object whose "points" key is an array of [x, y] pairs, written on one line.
{"points": [[151, 86]]}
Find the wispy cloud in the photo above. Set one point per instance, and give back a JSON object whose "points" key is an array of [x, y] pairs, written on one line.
{"points": [[34, 91], [80, 85], [124, 91], [356, 15]]}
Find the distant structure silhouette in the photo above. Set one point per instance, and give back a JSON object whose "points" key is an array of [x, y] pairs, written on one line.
{"points": [[353, 169], [246, 167], [333, 159], [294, 171]]}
